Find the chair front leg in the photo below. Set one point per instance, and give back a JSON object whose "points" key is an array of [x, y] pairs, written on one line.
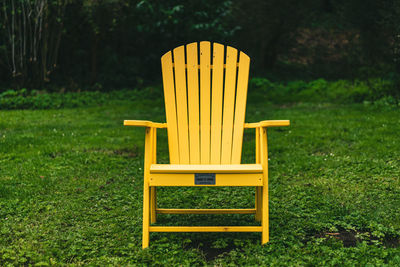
{"points": [[146, 215], [264, 195], [148, 159]]}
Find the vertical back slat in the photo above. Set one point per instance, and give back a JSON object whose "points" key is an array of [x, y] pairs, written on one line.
{"points": [[181, 104], [229, 105], [170, 107], [216, 110], [205, 108], [193, 102], [241, 95]]}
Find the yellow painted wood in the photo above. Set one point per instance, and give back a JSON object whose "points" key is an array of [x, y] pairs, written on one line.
{"points": [[153, 192], [229, 168], [205, 229], [181, 104], [221, 179], [265, 206], [240, 109], [154, 160], [216, 104], [153, 205], [273, 123], [258, 198], [229, 105], [170, 107], [193, 102], [211, 66], [206, 211], [205, 108], [146, 189], [139, 123], [256, 201]]}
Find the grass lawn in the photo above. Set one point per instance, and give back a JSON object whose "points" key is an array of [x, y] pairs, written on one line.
{"points": [[71, 190]]}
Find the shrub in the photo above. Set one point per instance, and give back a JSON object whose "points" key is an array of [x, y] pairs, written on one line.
{"points": [[13, 99], [260, 90], [341, 91]]}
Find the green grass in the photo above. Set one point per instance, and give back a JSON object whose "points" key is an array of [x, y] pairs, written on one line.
{"points": [[71, 190]]}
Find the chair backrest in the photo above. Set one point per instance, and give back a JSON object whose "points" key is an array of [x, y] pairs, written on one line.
{"points": [[205, 103]]}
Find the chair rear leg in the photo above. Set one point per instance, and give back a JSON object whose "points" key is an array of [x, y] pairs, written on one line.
{"points": [[258, 188], [153, 204], [258, 204]]}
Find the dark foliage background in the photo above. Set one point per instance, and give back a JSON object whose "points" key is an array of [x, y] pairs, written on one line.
{"points": [[106, 45]]}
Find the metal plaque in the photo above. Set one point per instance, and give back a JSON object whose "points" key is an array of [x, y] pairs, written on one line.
{"points": [[204, 178]]}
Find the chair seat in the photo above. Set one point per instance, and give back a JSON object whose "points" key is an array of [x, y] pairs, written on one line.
{"points": [[228, 168]]}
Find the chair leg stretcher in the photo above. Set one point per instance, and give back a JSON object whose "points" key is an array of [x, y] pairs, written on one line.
{"points": [[205, 229], [205, 211]]}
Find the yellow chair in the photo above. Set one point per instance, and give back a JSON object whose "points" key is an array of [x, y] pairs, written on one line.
{"points": [[205, 103]]}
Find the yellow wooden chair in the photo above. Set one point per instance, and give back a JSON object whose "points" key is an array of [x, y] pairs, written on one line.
{"points": [[205, 103]]}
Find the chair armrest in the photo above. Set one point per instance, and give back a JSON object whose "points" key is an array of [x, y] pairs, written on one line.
{"points": [[139, 123], [274, 123]]}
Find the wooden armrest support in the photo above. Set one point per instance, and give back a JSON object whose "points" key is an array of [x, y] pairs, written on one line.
{"points": [[139, 123], [274, 123]]}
